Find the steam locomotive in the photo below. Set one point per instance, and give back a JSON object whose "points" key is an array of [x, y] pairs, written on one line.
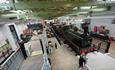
{"points": [[77, 40]]}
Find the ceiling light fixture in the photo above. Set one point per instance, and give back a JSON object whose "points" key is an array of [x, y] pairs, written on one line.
{"points": [[85, 7], [75, 8], [93, 6], [84, 12], [2, 1], [18, 11], [98, 9], [68, 5]]}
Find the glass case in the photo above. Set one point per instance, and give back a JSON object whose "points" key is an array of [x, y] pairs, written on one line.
{"points": [[5, 51]]}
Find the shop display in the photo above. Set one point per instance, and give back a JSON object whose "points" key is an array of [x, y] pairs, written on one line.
{"points": [[100, 32], [5, 51], [49, 33]]}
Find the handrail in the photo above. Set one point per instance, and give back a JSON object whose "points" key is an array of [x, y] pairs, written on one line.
{"points": [[10, 57], [13, 61], [55, 34]]}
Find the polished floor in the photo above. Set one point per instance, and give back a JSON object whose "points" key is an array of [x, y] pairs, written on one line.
{"points": [[35, 60], [112, 47], [100, 61], [64, 59]]}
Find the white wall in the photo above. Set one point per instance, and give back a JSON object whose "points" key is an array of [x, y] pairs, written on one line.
{"points": [[106, 21], [7, 33], [2, 39]]}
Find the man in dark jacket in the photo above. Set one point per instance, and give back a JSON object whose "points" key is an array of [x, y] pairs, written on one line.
{"points": [[21, 44], [81, 61]]}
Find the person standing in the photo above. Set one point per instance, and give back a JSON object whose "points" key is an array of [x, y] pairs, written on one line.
{"points": [[82, 60], [50, 47], [98, 46], [56, 45], [21, 44], [108, 46]]}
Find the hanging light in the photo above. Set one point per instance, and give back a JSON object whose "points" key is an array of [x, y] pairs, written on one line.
{"points": [[75, 8], [85, 7], [84, 12], [98, 9], [2, 1]]}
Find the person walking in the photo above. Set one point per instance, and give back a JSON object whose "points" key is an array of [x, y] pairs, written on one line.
{"points": [[22, 47], [82, 60], [108, 46], [98, 46], [56, 45], [50, 47]]}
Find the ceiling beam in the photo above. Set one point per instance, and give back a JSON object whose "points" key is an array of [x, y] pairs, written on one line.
{"points": [[49, 4]]}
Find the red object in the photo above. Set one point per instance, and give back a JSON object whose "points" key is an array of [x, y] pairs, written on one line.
{"points": [[88, 49], [85, 50], [95, 29], [81, 51], [94, 49], [111, 39], [28, 32]]}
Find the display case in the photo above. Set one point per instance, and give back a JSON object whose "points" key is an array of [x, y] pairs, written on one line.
{"points": [[5, 51]]}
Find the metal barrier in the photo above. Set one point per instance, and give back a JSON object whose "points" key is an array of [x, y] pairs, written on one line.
{"points": [[13, 62], [46, 64]]}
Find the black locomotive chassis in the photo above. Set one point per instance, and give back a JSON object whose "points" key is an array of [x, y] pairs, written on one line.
{"points": [[67, 40]]}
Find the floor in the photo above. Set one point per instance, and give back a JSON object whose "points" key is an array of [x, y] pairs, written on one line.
{"points": [[112, 47], [32, 63], [63, 58], [100, 61], [35, 60]]}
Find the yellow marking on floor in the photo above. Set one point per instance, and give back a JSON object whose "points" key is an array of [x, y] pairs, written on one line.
{"points": [[34, 53]]}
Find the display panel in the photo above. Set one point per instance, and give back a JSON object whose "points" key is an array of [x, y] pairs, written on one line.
{"points": [[5, 51]]}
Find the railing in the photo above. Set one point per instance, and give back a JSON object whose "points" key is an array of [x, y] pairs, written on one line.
{"points": [[13, 62], [46, 64]]}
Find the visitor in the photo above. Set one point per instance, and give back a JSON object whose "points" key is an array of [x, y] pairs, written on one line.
{"points": [[108, 46], [82, 60], [56, 45], [98, 46], [50, 47], [21, 44]]}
